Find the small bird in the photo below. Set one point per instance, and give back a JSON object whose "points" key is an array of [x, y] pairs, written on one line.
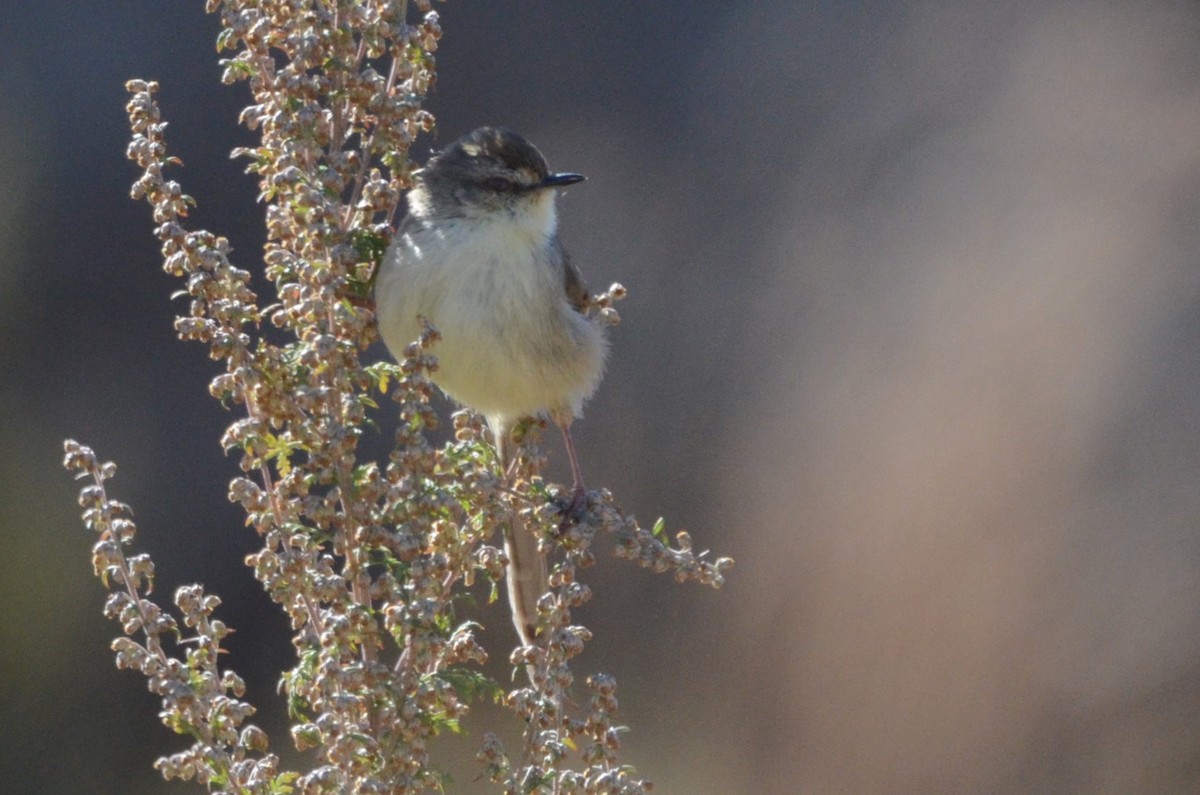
{"points": [[478, 256]]}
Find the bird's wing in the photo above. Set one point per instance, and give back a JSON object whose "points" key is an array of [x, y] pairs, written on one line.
{"points": [[577, 292]]}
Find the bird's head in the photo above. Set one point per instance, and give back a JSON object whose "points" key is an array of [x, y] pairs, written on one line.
{"points": [[490, 173]]}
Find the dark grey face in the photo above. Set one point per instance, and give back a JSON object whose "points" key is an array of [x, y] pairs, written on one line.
{"points": [[489, 169]]}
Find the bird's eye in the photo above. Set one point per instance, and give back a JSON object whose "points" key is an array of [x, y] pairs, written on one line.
{"points": [[499, 184]]}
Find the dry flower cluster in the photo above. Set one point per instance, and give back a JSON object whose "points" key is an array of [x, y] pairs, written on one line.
{"points": [[367, 558]]}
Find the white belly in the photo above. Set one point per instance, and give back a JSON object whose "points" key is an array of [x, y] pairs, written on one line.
{"points": [[511, 343]]}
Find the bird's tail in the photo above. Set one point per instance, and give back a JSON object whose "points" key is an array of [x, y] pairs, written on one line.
{"points": [[526, 574], [526, 579]]}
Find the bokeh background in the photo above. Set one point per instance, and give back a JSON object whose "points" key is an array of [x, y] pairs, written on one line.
{"points": [[914, 334]]}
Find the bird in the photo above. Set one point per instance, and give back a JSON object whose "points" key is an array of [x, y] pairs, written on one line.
{"points": [[478, 256]]}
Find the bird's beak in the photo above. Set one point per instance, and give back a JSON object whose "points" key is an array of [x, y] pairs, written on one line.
{"points": [[559, 180]]}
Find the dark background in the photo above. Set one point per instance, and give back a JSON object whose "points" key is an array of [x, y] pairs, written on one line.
{"points": [[912, 334]]}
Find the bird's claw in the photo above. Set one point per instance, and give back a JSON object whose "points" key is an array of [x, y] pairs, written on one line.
{"points": [[573, 509]]}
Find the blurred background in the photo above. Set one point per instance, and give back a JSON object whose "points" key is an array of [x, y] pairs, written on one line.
{"points": [[913, 335]]}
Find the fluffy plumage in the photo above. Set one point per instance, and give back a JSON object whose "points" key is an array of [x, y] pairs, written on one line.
{"points": [[478, 256]]}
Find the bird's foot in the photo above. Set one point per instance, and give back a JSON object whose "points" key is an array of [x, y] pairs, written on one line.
{"points": [[574, 508]]}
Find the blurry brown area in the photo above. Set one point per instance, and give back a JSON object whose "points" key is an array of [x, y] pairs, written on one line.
{"points": [[912, 335]]}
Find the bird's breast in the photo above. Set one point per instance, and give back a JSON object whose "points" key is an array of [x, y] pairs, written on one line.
{"points": [[511, 345]]}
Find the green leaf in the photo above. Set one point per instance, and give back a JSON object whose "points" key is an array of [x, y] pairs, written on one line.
{"points": [[238, 66], [282, 784], [369, 245], [470, 684], [381, 374]]}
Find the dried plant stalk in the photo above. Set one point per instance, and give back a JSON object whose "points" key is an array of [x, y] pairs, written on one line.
{"points": [[366, 558]]}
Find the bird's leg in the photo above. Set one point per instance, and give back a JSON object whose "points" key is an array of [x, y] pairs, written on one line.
{"points": [[578, 492]]}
